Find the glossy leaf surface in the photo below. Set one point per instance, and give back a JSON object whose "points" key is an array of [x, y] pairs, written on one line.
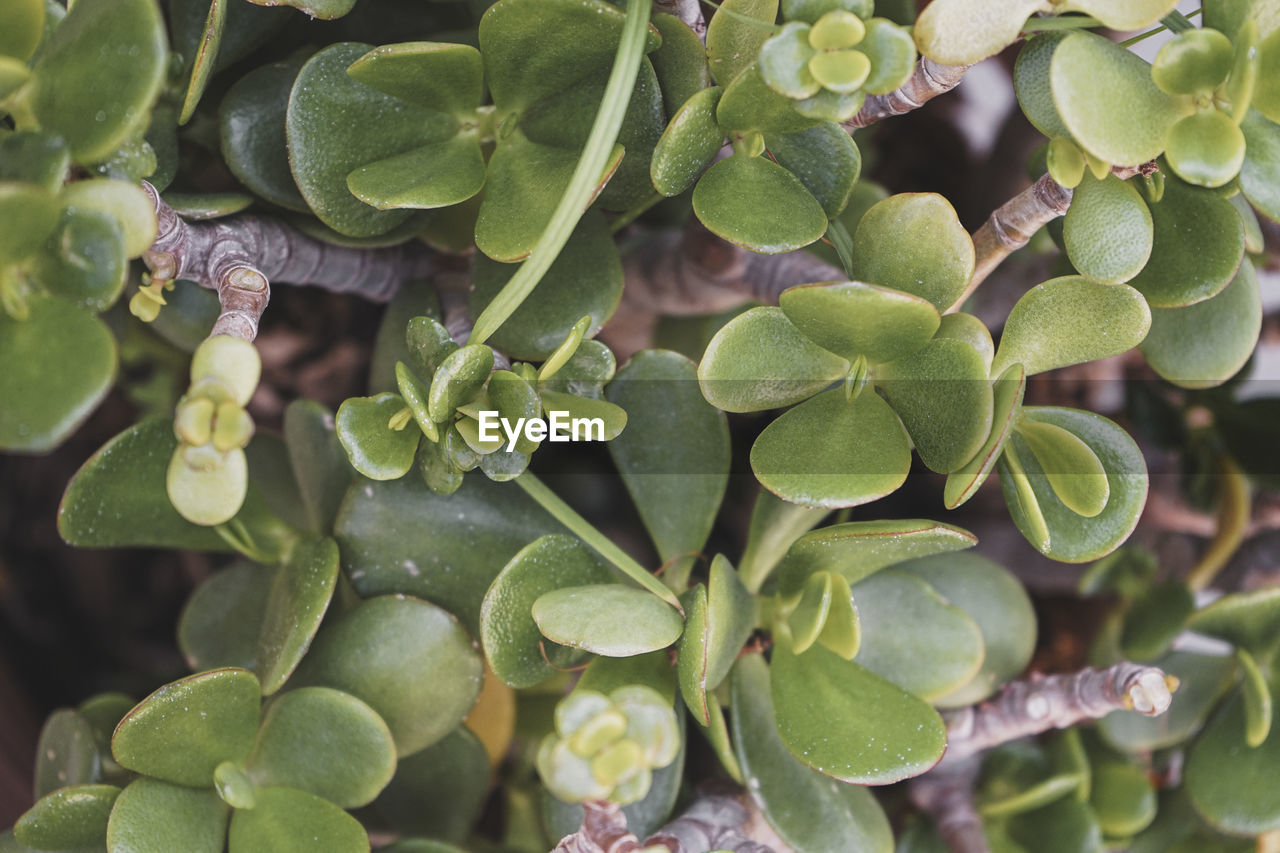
{"points": [[914, 242], [608, 619], [852, 319], [755, 203]]}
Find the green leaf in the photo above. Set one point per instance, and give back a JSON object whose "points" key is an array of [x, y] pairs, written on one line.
{"points": [[689, 144], [760, 360], [755, 203], [1071, 320], [407, 659], [892, 52], [1202, 681], [69, 818], [810, 615], [735, 36], [182, 731], [914, 242], [1222, 771], [449, 548], [318, 461], [749, 104], [117, 498], [66, 754], [775, 525], [831, 452], [1122, 798], [1204, 345], [858, 549], [436, 75], [608, 619], [335, 124], [1107, 99], [575, 408], [513, 645], [251, 122], [99, 73], [1133, 15], [84, 261], [1074, 471], [1249, 620], [1107, 230], [30, 215], [62, 363], [811, 812], [151, 816], [1035, 797], [327, 743], [886, 734], [787, 60], [289, 821], [677, 487], [1194, 61], [1064, 826], [222, 620], [944, 399], [1184, 271], [1073, 539], [1266, 94], [1205, 149], [297, 601], [942, 652], [24, 27], [435, 175], [852, 319], [680, 63], [438, 791], [1008, 392], [962, 32], [205, 55], [716, 627], [1258, 174], [375, 449], [325, 10], [584, 280], [997, 602], [29, 156], [1257, 700], [1155, 619]]}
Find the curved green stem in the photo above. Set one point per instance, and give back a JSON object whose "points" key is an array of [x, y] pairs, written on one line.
{"points": [[604, 133], [585, 531]]}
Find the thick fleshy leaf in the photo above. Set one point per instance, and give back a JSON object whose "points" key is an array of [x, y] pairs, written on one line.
{"points": [[25, 24], [1250, 620], [1205, 149], [75, 79], [285, 820], [62, 362], [914, 242], [375, 449], [436, 75], [1193, 61], [680, 63], [968, 328], [1122, 798], [222, 619], [962, 32], [1107, 99], [831, 452], [716, 627], [732, 42], [1031, 83], [892, 52], [151, 816], [1222, 770], [408, 659], [513, 645], [28, 156], [327, 743], [689, 144], [858, 549], [1258, 174], [84, 261], [1008, 392], [318, 461], [755, 203], [811, 812], [676, 487], [325, 10], [118, 496], [127, 204], [1107, 230], [1155, 619], [1074, 471], [1202, 681], [1256, 695], [584, 280], [1204, 345], [73, 818], [760, 360], [775, 526], [251, 122], [608, 619], [1132, 15], [824, 158], [446, 549], [786, 60], [435, 175], [336, 124], [749, 104], [438, 791], [181, 732], [886, 734], [297, 601], [854, 319], [1064, 826], [204, 58], [1199, 244], [66, 754], [997, 602], [943, 651], [944, 399], [1072, 538], [1071, 320]]}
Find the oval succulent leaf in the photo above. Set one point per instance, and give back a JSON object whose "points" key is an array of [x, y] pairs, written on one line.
{"points": [[435, 75], [1107, 230], [914, 242], [154, 815], [824, 158], [71, 818], [435, 175], [1206, 149], [377, 450], [1219, 768], [733, 41], [1008, 392], [1073, 469], [755, 203], [962, 32], [607, 619], [689, 144], [1194, 61], [854, 319], [286, 820]]}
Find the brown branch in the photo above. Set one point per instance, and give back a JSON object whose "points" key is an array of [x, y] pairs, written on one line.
{"points": [[1041, 703], [689, 11], [239, 256], [946, 795], [929, 80], [713, 822], [603, 830]]}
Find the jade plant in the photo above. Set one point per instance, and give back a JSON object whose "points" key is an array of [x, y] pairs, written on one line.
{"points": [[621, 541]]}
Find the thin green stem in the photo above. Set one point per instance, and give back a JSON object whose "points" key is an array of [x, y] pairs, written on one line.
{"points": [[585, 531], [1177, 22], [1129, 42], [586, 176], [1066, 22]]}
